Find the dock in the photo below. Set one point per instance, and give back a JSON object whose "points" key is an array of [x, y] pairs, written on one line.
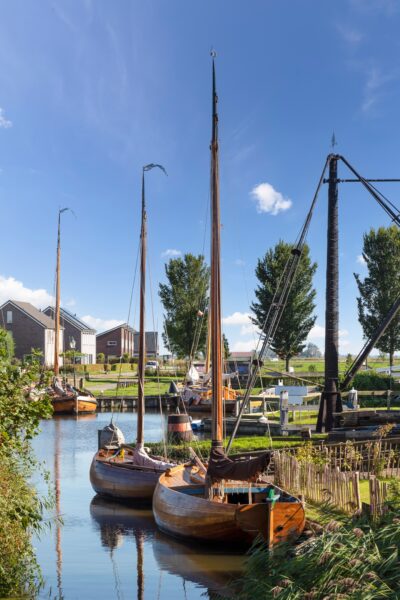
{"points": [[129, 403]]}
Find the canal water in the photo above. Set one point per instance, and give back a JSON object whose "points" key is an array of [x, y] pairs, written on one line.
{"points": [[108, 550]]}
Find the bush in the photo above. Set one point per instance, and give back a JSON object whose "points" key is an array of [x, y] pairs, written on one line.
{"points": [[101, 357], [371, 380]]}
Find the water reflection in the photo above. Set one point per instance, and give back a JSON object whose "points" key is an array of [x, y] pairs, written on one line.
{"points": [[191, 562], [109, 550]]}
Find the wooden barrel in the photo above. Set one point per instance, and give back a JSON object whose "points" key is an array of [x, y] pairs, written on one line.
{"points": [[179, 429]]}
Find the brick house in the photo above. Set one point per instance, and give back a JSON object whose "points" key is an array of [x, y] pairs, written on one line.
{"points": [[84, 336], [30, 328], [116, 341], [151, 342]]}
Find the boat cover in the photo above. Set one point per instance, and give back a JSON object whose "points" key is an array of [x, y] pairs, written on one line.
{"points": [[142, 459], [221, 466]]}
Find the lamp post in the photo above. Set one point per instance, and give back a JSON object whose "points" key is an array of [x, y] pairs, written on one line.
{"points": [[72, 345]]}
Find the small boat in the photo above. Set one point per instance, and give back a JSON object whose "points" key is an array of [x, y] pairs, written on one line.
{"points": [[227, 500], [71, 401], [118, 470], [66, 400]]}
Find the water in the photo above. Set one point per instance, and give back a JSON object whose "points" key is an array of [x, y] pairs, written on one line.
{"points": [[107, 550]]}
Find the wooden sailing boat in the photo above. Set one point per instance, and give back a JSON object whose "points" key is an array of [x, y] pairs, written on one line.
{"points": [[225, 501], [129, 473], [65, 400]]}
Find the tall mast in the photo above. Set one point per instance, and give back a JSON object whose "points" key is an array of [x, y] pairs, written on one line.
{"points": [[208, 341], [215, 288], [142, 345], [142, 342], [330, 400], [57, 309]]}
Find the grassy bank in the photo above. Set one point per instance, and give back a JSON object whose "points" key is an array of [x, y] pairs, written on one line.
{"points": [[242, 444]]}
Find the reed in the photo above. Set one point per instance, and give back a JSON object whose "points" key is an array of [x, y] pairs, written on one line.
{"points": [[359, 560]]}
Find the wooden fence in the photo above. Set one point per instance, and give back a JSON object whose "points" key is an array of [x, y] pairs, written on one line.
{"points": [[318, 482], [378, 493], [371, 457]]}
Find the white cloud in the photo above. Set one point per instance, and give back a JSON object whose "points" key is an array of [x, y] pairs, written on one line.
{"points": [[12, 289], [100, 324], [250, 328], [375, 87], [171, 253], [4, 123], [237, 318], [350, 35], [244, 346], [269, 200], [318, 332], [239, 262], [70, 303], [361, 260]]}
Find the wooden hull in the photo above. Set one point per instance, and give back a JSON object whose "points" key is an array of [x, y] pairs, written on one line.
{"points": [[181, 510], [74, 406], [115, 480]]}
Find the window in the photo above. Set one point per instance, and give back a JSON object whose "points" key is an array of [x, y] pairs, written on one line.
{"points": [[9, 317], [111, 343]]}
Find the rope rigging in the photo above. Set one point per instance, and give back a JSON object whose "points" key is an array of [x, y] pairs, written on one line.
{"points": [[278, 305]]}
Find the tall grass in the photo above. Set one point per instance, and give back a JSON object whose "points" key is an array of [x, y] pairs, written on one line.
{"points": [[356, 561]]}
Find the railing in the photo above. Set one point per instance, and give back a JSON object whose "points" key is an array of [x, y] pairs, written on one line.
{"points": [[318, 483]]}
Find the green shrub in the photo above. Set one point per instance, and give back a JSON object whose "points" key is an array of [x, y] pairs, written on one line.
{"points": [[371, 380]]}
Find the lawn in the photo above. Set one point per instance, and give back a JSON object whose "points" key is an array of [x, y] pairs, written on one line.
{"points": [[242, 444]]}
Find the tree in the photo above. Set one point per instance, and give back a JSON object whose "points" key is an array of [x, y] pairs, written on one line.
{"points": [[184, 299], [311, 351], [297, 318], [381, 287], [101, 358], [226, 346]]}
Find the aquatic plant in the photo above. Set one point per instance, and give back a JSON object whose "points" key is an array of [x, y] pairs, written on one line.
{"points": [[352, 561]]}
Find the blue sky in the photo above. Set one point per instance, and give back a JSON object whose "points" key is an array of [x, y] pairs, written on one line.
{"points": [[90, 91]]}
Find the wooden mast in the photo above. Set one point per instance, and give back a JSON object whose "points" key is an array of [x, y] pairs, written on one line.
{"points": [[215, 288], [208, 348], [57, 308], [142, 335], [142, 345]]}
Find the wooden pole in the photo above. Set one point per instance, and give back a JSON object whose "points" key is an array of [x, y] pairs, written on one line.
{"points": [[330, 400], [142, 348], [57, 308], [142, 334], [215, 288]]}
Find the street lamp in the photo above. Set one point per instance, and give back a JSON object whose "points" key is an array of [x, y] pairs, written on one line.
{"points": [[72, 345]]}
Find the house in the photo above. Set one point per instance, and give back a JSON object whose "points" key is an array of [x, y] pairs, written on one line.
{"points": [[151, 343], [75, 329], [30, 328], [115, 342]]}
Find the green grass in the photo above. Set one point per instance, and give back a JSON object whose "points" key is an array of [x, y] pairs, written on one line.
{"points": [[180, 452]]}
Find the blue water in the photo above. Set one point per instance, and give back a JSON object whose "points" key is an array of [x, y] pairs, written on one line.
{"points": [[106, 550]]}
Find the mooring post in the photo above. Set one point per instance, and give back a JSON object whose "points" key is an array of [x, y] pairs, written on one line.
{"points": [[331, 400]]}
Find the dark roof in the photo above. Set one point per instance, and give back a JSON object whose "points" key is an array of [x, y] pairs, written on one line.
{"points": [[32, 312], [121, 326], [73, 319]]}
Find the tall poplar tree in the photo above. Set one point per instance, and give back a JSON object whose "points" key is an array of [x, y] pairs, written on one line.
{"points": [[185, 299], [381, 287], [297, 318]]}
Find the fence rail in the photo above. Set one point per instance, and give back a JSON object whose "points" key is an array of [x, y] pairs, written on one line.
{"points": [[317, 482]]}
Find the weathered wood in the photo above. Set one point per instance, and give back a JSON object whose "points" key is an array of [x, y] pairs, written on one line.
{"points": [[117, 479], [190, 515]]}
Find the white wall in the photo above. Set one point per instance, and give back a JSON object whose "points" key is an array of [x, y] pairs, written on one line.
{"points": [[88, 347], [49, 335]]}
